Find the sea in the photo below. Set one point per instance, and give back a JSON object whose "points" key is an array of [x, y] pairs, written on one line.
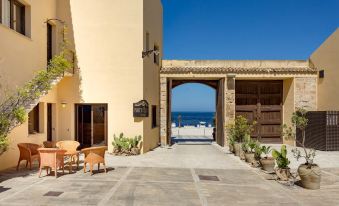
{"points": [[193, 118]]}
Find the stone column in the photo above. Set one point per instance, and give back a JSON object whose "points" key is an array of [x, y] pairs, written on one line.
{"points": [[305, 93], [229, 102], [163, 111]]}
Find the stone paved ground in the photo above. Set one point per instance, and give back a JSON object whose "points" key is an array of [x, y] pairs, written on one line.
{"points": [[165, 177]]}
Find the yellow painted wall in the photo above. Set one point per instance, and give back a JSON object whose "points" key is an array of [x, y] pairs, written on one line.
{"points": [[20, 57], [326, 58], [288, 104], [109, 37], [151, 77]]}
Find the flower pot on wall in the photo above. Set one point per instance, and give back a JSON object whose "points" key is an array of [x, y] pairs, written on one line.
{"points": [[249, 157], [268, 164], [283, 173], [310, 176]]}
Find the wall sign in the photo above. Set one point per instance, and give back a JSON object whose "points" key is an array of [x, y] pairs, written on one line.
{"points": [[140, 109]]}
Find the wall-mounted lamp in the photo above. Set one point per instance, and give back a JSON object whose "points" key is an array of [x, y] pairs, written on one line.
{"points": [[63, 104], [149, 52]]}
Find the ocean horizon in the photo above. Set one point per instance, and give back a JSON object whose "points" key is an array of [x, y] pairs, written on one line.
{"points": [[192, 118]]}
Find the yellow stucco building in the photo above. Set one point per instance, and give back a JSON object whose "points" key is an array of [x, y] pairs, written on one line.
{"points": [[95, 99]]}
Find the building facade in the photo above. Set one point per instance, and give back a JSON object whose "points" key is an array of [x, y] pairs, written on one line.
{"points": [[108, 39], [94, 101]]}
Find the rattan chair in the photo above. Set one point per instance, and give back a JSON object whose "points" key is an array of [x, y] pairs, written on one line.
{"points": [[51, 158], [71, 147], [28, 152], [94, 155]]}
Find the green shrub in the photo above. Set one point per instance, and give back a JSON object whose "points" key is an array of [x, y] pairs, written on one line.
{"points": [[240, 129], [125, 144], [266, 150], [281, 157]]}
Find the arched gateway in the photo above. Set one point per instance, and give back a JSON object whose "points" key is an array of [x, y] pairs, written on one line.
{"points": [[265, 91]]}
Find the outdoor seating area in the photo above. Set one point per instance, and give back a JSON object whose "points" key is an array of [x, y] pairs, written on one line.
{"points": [[55, 155]]}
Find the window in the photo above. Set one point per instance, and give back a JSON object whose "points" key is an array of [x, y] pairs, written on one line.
{"points": [[154, 116], [33, 120], [13, 15]]}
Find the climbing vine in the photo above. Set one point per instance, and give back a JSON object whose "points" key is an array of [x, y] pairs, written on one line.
{"points": [[13, 108]]}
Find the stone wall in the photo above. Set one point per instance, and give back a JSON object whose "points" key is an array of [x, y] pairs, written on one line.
{"points": [[305, 93], [163, 110], [229, 103]]}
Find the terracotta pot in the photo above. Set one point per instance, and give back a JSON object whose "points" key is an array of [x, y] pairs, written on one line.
{"points": [[237, 149], [283, 173], [310, 176], [267, 164], [249, 157], [242, 154]]}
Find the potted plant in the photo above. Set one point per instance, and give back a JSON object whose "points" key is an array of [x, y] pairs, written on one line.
{"points": [[309, 172], [249, 147], [239, 130], [283, 171], [257, 155], [231, 144], [267, 162]]}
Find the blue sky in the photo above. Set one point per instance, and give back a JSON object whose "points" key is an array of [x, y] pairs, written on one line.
{"points": [[242, 29]]}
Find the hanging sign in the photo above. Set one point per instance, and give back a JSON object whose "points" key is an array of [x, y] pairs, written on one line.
{"points": [[140, 109]]}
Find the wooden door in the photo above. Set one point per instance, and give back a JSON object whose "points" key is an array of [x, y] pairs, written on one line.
{"points": [[91, 124], [220, 113], [261, 101]]}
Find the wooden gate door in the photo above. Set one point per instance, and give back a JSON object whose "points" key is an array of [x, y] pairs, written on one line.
{"points": [[220, 120], [261, 101]]}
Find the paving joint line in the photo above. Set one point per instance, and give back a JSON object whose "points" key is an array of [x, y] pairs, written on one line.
{"points": [[197, 185], [112, 191]]}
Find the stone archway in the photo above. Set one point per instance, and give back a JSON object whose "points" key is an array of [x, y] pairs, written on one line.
{"points": [[298, 87], [225, 107]]}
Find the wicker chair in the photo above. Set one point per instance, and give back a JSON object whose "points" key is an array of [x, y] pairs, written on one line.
{"points": [[28, 152], [71, 148], [51, 158], [94, 155], [49, 144]]}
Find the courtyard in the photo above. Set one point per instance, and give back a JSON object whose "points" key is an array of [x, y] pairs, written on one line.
{"points": [[184, 174]]}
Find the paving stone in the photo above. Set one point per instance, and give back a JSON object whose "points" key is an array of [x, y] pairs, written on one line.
{"points": [[156, 193]]}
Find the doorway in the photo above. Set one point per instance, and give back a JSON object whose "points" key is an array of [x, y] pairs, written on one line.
{"points": [[91, 124], [49, 42], [49, 122], [217, 132], [261, 101]]}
